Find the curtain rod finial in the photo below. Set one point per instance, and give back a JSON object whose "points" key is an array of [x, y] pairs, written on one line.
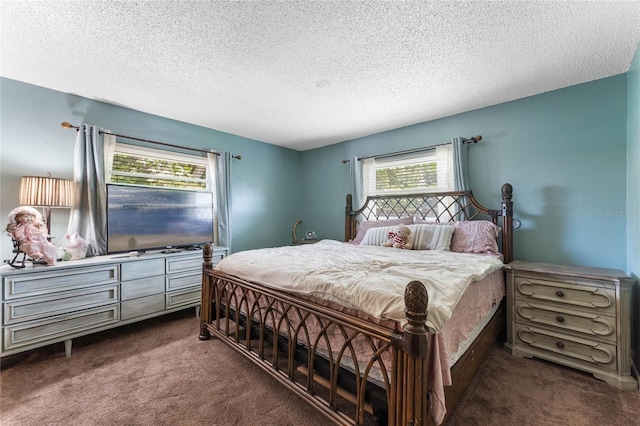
{"points": [[66, 125]]}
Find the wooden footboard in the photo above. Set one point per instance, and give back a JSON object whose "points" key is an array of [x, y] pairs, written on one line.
{"points": [[288, 338]]}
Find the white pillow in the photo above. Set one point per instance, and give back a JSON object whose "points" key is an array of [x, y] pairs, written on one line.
{"points": [[431, 237], [365, 225], [377, 236]]}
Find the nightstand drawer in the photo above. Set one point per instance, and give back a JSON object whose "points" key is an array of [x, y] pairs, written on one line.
{"points": [[591, 324], [587, 352], [579, 296]]}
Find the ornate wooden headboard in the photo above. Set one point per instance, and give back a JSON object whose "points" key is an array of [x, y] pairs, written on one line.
{"points": [[435, 207]]}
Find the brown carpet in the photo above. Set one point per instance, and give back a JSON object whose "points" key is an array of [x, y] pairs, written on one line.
{"points": [[158, 373], [508, 390]]}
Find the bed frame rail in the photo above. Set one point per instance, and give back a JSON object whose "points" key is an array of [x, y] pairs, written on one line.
{"points": [[278, 333]]}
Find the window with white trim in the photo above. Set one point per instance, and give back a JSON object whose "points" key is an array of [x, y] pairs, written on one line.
{"points": [[136, 165], [425, 171]]}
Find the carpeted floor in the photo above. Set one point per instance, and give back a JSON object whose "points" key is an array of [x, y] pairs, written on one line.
{"points": [[518, 391], [159, 373]]}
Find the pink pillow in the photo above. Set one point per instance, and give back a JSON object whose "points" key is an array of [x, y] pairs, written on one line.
{"points": [[368, 224], [475, 236]]}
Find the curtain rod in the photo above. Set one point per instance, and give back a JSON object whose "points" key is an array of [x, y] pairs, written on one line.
{"points": [[474, 139], [70, 126]]}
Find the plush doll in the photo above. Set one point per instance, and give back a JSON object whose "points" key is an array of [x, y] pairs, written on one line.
{"points": [[399, 239], [72, 247], [26, 227]]}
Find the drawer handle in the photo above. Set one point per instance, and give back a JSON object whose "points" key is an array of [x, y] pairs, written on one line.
{"points": [[560, 345], [560, 293], [559, 319]]}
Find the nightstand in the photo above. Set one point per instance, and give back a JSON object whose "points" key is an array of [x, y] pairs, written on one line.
{"points": [[574, 316]]}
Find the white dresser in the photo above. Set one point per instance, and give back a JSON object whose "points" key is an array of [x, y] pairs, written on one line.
{"points": [[575, 316], [44, 304]]}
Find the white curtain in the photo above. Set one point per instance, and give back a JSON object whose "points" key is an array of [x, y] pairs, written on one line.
{"points": [[368, 177], [223, 199], [89, 212], [451, 170], [444, 168], [109, 152]]}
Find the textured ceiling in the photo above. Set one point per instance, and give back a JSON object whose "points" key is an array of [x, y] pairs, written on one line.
{"points": [[307, 74]]}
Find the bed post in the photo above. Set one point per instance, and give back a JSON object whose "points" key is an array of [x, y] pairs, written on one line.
{"points": [[411, 369], [348, 220], [507, 222], [206, 298]]}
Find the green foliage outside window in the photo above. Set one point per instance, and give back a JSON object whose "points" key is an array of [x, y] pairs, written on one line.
{"points": [[138, 170], [416, 176]]}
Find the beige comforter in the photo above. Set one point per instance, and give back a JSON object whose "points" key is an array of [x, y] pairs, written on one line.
{"points": [[368, 278]]}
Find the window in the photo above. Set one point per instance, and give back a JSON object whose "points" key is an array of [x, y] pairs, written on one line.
{"points": [[144, 166], [424, 171]]}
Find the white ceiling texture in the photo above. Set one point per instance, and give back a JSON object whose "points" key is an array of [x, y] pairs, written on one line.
{"points": [[305, 74]]}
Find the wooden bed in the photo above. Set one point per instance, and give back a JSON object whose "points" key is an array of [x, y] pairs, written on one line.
{"points": [[283, 331]]}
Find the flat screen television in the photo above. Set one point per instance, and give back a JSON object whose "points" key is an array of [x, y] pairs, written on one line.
{"points": [[146, 218]]}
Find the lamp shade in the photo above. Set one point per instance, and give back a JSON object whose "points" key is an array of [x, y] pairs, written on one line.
{"points": [[45, 191]]}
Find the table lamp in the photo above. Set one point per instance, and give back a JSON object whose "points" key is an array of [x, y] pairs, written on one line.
{"points": [[46, 192]]}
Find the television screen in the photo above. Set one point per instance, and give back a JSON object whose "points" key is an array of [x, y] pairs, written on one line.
{"points": [[143, 218]]}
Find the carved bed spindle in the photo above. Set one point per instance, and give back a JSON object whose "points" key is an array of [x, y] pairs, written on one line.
{"points": [[507, 222], [349, 220], [207, 292], [411, 399]]}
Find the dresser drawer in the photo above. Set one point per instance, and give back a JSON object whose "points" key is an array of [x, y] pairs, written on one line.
{"points": [[59, 303], [28, 285], [591, 324], [142, 287], [58, 328], [142, 306], [584, 351], [141, 269], [180, 264], [183, 298], [579, 296], [175, 282]]}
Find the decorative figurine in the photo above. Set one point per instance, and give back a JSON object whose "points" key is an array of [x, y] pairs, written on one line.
{"points": [[72, 247], [26, 227]]}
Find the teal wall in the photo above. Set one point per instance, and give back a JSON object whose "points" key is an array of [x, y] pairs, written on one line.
{"points": [[564, 152], [265, 183], [633, 166]]}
